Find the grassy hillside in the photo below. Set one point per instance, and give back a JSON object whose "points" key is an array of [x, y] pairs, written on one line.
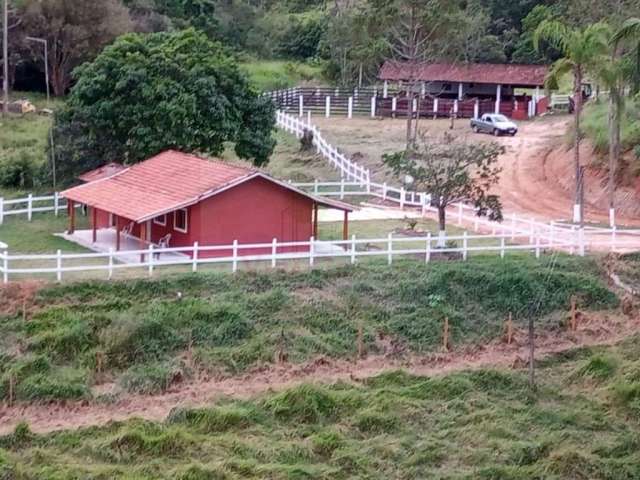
{"points": [[277, 74], [581, 424], [136, 332]]}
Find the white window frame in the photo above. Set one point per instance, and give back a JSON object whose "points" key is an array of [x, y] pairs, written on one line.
{"points": [[186, 220], [163, 222]]}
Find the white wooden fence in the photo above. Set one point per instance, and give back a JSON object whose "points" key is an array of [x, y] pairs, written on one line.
{"points": [[30, 205], [274, 254]]}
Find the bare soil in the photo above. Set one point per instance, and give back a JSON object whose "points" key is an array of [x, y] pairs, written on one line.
{"points": [[538, 173], [594, 329]]}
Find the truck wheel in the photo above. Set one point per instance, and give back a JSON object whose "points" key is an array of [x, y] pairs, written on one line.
{"points": [[496, 132], [475, 129]]}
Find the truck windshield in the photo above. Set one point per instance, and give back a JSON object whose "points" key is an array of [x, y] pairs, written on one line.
{"points": [[500, 118]]}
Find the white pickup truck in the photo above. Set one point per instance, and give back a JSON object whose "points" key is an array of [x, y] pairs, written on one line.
{"points": [[495, 123]]}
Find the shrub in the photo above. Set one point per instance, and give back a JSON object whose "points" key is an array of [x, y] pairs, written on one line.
{"points": [[65, 384], [598, 367], [18, 171], [217, 419]]}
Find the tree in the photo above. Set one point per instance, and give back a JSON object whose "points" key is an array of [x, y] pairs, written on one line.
{"points": [[452, 171], [581, 50], [148, 93], [75, 31], [614, 74]]}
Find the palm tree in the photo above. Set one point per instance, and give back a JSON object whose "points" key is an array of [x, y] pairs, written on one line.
{"points": [[581, 48], [614, 75]]}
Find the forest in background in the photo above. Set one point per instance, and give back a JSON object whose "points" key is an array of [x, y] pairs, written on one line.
{"points": [[343, 42]]}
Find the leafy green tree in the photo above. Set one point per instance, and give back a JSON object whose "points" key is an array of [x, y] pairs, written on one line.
{"points": [[451, 171], [148, 93], [525, 51], [75, 32], [581, 49]]}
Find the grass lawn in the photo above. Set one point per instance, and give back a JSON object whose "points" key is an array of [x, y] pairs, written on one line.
{"points": [[582, 423], [37, 236]]}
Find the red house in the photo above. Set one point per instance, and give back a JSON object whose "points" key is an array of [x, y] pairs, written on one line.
{"points": [[175, 199]]}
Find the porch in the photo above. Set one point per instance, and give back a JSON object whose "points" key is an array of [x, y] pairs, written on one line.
{"points": [[106, 239]]}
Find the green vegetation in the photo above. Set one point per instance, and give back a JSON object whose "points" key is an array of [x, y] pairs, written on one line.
{"points": [[136, 332], [469, 425], [275, 74]]}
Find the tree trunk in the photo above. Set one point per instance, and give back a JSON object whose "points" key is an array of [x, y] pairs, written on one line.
{"points": [[614, 144], [5, 58], [442, 224], [409, 117], [577, 101], [58, 80]]}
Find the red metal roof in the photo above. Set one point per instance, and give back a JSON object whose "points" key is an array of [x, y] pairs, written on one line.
{"points": [[104, 171], [503, 74], [166, 182]]}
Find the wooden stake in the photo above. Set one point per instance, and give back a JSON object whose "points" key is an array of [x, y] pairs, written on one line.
{"points": [[360, 342], [12, 382], [445, 335], [509, 329], [574, 325]]}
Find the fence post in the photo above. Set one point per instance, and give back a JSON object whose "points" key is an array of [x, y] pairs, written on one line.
{"points": [[309, 118], [350, 108], [390, 249], [59, 265], [5, 266], [274, 249], [538, 245], [150, 255], [56, 203], [300, 105], [315, 186], [613, 238], [573, 240], [194, 258], [30, 206], [435, 107], [384, 191], [368, 173], [502, 247], [427, 256], [373, 106], [311, 250], [394, 104], [460, 214], [327, 106], [465, 245], [353, 249], [476, 110], [341, 188], [401, 197], [110, 274], [235, 256], [1, 210], [423, 202]]}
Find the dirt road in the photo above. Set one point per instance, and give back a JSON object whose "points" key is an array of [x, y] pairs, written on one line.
{"points": [[597, 329]]}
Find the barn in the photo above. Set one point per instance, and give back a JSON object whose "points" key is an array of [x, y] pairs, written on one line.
{"points": [[466, 89], [175, 199]]}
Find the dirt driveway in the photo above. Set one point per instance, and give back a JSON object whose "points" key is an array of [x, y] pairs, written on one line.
{"points": [[537, 178]]}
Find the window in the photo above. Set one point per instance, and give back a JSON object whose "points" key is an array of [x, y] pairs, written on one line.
{"points": [[180, 220], [161, 220]]}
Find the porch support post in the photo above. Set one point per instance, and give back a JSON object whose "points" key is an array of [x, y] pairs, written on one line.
{"points": [[94, 221], [498, 97], [143, 235], [345, 226], [117, 233], [315, 220], [72, 216], [460, 91]]}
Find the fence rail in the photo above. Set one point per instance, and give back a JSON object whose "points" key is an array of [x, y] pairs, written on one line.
{"points": [[275, 253]]}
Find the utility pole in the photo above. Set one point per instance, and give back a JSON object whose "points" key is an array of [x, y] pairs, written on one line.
{"points": [[5, 58]]}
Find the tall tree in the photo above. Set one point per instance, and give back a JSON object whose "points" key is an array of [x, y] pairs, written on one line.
{"points": [[75, 31], [148, 93], [581, 50], [451, 171]]}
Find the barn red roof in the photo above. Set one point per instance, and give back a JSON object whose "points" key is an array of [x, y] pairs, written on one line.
{"points": [[166, 182], [104, 171], [492, 73]]}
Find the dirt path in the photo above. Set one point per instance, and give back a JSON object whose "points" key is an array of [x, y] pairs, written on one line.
{"points": [[597, 330]]}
